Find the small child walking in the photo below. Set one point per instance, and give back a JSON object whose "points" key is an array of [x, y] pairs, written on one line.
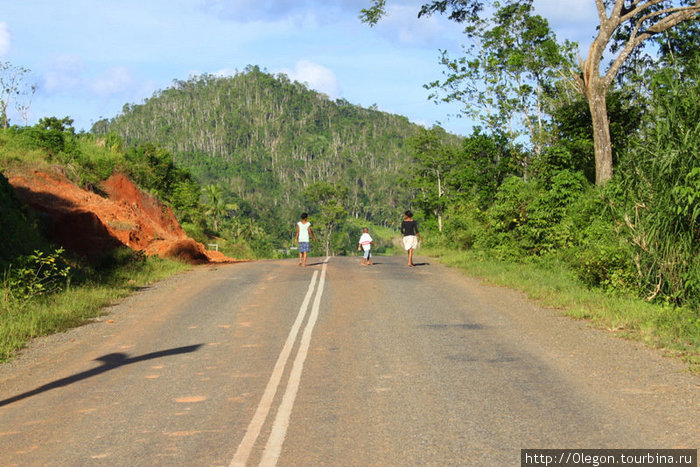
{"points": [[365, 243]]}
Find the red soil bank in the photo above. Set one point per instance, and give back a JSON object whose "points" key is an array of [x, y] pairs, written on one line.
{"points": [[88, 224]]}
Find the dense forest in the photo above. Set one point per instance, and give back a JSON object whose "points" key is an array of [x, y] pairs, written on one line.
{"points": [[273, 148]]}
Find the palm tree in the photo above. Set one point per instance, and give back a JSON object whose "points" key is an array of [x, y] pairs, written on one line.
{"points": [[216, 206]]}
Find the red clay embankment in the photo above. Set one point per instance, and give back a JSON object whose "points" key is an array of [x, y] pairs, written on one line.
{"points": [[88, 224]]}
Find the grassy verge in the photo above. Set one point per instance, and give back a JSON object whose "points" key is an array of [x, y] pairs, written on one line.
{"points": [[77, 305], [674, 329]]}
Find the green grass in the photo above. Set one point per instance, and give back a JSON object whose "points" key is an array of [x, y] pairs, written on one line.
{"points": [[674, 329], [21, 321]]}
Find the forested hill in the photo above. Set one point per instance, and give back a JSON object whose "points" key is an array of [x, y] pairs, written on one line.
{"points": [[266, 138]]}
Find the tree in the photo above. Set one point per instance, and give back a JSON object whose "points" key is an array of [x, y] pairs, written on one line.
{"points": [[662, 210], [680, 47], [25, 103], [62, 125], [12, 85], [643, 20], [507, 72], [487, 162], [435, 159], [330, 200], [216, 205], [623, 24]]}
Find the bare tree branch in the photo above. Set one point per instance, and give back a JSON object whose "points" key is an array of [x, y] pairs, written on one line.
{"points": [[602, 13], [635, 10]]}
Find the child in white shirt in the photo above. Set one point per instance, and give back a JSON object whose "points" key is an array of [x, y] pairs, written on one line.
{"points": [[365, 243]]}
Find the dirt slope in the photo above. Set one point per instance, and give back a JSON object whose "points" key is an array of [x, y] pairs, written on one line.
{"points": [[88, 224]]}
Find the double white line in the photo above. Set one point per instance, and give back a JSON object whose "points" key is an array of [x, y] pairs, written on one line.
{"points": [[273, 447]]}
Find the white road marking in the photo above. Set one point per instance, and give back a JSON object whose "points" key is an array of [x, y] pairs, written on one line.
{"points": [[273, 448], [253, 431]]}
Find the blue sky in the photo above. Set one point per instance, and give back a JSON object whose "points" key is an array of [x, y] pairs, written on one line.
{"points": [[90, 57]]}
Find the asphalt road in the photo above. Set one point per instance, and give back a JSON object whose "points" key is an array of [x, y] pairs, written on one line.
{"points": [[268, 363]]}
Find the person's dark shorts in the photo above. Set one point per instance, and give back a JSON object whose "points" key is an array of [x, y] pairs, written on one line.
{"points": [[304, 247]]}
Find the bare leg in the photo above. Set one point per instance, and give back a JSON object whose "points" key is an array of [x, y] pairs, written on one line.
{"points": [[410, 257]]}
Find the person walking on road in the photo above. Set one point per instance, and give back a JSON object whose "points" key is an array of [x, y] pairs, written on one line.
{"points": [[411, 236], [365, 243], [303, 238]]}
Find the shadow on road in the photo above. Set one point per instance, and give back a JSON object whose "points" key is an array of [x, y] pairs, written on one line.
{"points": [[109, 362]]}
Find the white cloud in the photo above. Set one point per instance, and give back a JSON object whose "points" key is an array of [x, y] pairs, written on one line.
{"points": [[402, 24], [4, 38], [316, 76], [65, 73], [409, 29], [114, 81], [68, 74]]}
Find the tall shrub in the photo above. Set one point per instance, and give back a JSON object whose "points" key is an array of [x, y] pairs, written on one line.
{"points": [[661, 176]]}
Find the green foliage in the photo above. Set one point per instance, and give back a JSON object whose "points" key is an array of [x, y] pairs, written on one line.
{"points": [[34, 275], [573, 129], [327, 201], [485, 163], [92, 288], [607, 265], [510, 65], [435, 159], [660, 177], [638, 235], [263, 139], [526, 217], [599, 254], [372, 14], [51, 134], [466, 227], [216, 206]]}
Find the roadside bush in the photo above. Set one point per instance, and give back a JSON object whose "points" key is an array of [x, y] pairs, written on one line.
{"points": [[603, 261], [527, 218], [599, 253], [35, 275], [465, 226], [509, 212], [661, 180], [546, 226]]}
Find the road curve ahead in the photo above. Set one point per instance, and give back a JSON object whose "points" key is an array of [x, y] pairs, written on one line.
{"points": [[335, 364]]}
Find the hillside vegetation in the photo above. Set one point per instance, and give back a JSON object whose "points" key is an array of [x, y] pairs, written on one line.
{"points": [[265, 140]]}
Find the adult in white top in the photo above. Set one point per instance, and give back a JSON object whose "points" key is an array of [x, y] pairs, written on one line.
{"points": [[303, 238]]}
